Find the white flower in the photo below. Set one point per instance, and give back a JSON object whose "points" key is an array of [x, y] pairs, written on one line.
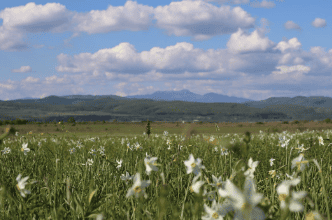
{"points": [[25, 148], [119, 163], [213, 212], [21, 185], [223, 151], [252, 166], [150, 164], [138, 146], [89, 162], [165, 133], [194, 166], [217, 182], [138, 187], [271, 161], [72, 150], [92, 151], [100, 217], [301, 148], [321, 141], [300, 162], [283, 191], [196, 184], [244, 204], [126, 178], [7, 150]]}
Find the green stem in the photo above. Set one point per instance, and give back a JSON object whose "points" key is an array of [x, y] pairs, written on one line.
{"points": [[184, 201]]}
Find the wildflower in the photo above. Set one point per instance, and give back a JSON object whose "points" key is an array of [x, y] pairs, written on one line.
{"points": [[7, 150], [223, 151], [193, 166], [244, 204], [25, 149], [129, 147], [301, 148], [213, 212], [291, 177], [150, 164], [293, 203], [138, 146], [272, 173], [217, 182], [72, 150], [101, 150], [165, 133], [321, 141], [196, 184], [100, 217], [139, 186], [271, 161], [92, 151], [252, 166], [16, 133], [119, 163], [126, 178], [300, 162], [89, 162], [21, 185]]}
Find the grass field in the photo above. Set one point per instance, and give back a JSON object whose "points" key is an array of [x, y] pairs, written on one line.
{"points": [[179, 171]]}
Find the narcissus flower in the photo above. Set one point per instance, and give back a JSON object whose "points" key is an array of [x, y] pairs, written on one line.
{"points": [[139, 187], [194, 165]]}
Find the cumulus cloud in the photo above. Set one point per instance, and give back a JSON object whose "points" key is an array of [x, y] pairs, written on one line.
{"points": [[23, 69], [291, 25], [319, 22], [249, 66]]}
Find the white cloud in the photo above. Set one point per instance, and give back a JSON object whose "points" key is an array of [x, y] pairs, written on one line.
{"points": [[263, 4], [249, 67], [291, 25], [23, 69], [319, 22]]}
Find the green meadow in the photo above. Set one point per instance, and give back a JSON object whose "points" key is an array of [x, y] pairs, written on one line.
{"points": [[150, 170]]}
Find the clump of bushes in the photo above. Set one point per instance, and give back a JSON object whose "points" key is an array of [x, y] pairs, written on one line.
{"points": [[295, 122], [285, 122], [327, 120], [259, 123]]}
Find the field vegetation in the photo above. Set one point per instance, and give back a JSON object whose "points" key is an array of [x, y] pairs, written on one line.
{"points": [[150, 170]]}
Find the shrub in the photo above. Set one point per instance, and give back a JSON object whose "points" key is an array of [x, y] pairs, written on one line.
{"points": [[285, 122], [295, 122], [327, 120], [259, 123], [71, 120]]}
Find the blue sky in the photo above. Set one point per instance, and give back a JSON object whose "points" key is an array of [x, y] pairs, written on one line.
{"points": [[243, 48]]}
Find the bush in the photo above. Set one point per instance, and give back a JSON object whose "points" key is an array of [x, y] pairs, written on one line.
{"points": [[259, 123], [327, 120], [295, 122], [285, 122], [71, 120]]}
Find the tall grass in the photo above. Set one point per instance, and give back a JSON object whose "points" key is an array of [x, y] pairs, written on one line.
{"points": [[76, 178]]}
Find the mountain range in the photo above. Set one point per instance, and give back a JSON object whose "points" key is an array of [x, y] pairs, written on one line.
{"points": [[158, 105]]}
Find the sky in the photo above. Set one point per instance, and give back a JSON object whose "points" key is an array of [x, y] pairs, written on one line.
{"points": [[242, 48]]}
